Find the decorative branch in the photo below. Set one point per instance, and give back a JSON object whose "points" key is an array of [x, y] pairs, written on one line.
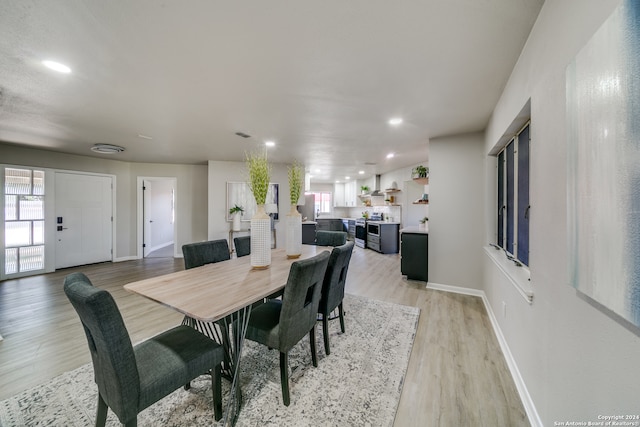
{"points": [[296, 175], [259, 175]]}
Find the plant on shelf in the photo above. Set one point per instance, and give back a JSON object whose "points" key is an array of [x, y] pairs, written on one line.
{"points": [[236, 209], [420, 172], [364, 189], [424, 220]]}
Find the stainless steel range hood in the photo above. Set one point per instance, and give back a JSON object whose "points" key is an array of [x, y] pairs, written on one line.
{"points": [[377, 191]]}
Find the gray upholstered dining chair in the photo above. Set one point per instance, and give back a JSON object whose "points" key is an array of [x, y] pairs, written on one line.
{"points": [[333, 288], [243, 245], [131, 378], [330, 238], [196, 255], [281, 324], [201, 253]]}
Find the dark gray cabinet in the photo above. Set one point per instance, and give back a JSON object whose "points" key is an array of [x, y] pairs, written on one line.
{"points": [[309, 233], [330, 224], [414, 256]]}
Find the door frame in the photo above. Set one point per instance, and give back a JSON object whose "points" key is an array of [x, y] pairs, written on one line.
{"points": [[140, 212]]}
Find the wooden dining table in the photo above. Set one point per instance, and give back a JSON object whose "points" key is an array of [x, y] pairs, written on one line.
{"points": [[216, 297]]}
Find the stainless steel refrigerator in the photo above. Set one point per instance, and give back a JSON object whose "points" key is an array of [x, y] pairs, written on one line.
{"points": [[308, 209]]}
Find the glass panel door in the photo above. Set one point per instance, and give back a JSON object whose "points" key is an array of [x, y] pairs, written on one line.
{"points": [[23, 220]]}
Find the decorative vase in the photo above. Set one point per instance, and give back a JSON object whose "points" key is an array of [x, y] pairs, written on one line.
{"points": [[236, 222], [260, 239], [294, 233]]}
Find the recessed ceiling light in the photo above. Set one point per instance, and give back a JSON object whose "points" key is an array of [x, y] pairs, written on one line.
{"points": [[337, 181], [347, 177], [390, 155], [395, 121], [56, 66], [318, 171], [361, 172], [269, 143], [107, 149], [144, 136]]}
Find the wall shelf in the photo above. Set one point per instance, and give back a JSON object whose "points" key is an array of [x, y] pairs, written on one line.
{"points": [[423, 181]]}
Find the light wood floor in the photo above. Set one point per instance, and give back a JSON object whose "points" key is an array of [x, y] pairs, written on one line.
{"points": [[457, 375]]}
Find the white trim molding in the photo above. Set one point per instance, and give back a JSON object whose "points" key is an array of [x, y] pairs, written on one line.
{"points": [[527, 401]]}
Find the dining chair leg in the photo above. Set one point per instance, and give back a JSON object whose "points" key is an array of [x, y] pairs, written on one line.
{"points": [[341, 317], [101, 415], [325, 332], [284, 377], [312, 341], [216, 387]]}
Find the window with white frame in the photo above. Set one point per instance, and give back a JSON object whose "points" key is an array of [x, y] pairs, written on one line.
{"points": [[513, 197], [322, 202]]}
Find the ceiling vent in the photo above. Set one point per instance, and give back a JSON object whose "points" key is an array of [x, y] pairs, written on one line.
{"points": [[107, 148]]}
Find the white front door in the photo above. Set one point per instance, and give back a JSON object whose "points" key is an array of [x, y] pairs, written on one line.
{"points": [[83, 219]]}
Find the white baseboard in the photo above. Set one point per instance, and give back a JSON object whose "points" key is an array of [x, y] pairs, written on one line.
{"points": [[125, 258], [527, 402]]}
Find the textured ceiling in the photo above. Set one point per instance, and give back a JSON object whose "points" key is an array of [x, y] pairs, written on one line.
{"points": [[320, 78]]}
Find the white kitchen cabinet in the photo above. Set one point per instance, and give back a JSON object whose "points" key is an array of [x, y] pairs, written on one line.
{"points": [[345, 194], [338, 195], [351, 194]]}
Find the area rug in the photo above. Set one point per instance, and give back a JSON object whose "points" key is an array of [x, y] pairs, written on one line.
{"points": [[358, 384]]}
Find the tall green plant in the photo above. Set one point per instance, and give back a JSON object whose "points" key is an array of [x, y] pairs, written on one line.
{"points": [[259, 175], [296, 175]]}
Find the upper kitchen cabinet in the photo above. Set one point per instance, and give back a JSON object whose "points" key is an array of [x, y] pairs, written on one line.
{"points": [[338, 195], [345, 194], [351, 194]]}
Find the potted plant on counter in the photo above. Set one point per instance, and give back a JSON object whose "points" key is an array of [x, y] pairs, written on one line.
{"points": [[423, 223], [236, 212]]}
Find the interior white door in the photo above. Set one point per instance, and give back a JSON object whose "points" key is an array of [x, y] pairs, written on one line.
{"points": [[84, 219]]}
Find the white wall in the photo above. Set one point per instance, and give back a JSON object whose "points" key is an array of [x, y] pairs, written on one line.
{"points": [[222, 172], [576, 361], [456, 210], [191, 192]]}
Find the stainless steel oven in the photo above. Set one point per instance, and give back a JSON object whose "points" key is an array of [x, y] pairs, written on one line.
{"points": [[373, 236], [361, 232], [373, 229]]}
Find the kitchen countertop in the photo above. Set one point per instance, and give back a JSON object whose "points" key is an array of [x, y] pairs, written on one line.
{"points": [[384, 222], [308, 222], [415, 230]]}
